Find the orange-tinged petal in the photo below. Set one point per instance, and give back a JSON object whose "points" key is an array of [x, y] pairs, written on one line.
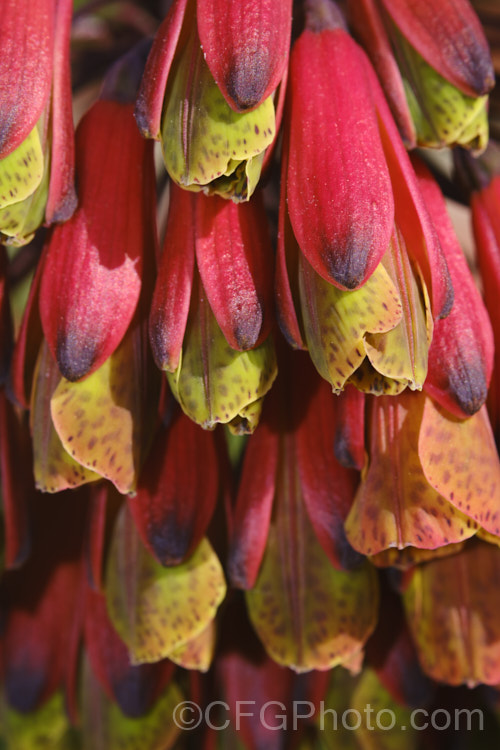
{"points": [[395, 505], [452, 610], [460, 461]]}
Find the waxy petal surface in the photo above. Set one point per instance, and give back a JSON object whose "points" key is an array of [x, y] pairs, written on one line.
{"points": [[460, 460], [88, 296], [450, 37], [451, 607], [339, 193], [349, 442], [61, 199], [234, 258], [252, 514], [248, 53], [461, 355], [173, 504], [395, 505], [160, 609], [25, 68], [336, 322]]}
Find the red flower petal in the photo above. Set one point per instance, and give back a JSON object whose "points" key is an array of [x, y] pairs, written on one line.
{"points": [[252, 514], [461, 353], [26, 44], [172, 294], [234, 257], [88, 296], [411, 215], [449, 37], [174, 504], [327, 487], [339, 191], [485, 218], [40, 603], [350, 432], [369, 29], [61, 200], [247, 52], [134, 687], [152, 92]]}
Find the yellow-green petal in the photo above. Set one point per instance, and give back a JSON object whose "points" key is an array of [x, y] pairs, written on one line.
{"points": [[160, 609], [207, 145]]}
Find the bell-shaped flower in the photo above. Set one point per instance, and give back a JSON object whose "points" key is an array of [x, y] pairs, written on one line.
{"points": [[288, 546], [212, 313], [211, 101], [430, 481], [435, 66], [375, 332], [36, 124]]}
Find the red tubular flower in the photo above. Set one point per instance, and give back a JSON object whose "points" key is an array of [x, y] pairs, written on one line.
{"points": [[461, 353], [337, 183], [282, 445], [35, 103], [211, 102], [88, 296], [485, 204], [434, 64], [206, 315]]}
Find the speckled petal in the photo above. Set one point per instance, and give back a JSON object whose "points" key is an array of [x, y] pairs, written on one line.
{"points": [[98, 419], [206, 145], [308, 614], [198, 652], [337, 321], [54, 468], [213, 382], [460, 461], [452, 609], [450, 37], [160, 609], [104, 726], [395, 505]]}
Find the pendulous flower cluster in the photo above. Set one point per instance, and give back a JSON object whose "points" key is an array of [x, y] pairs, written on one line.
{"points": [[249, 372]]}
